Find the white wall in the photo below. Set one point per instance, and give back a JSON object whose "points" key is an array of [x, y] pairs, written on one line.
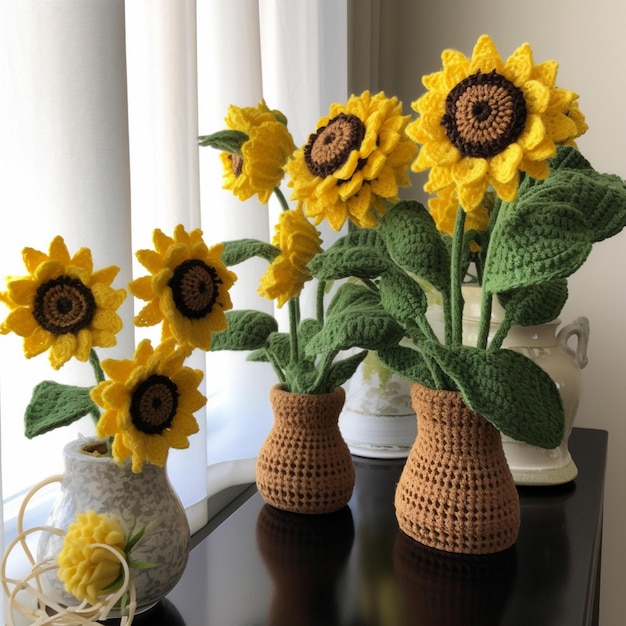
{"points": [[587, 39]]}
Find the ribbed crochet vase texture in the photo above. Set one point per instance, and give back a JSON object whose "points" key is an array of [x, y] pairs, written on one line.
{"points": [[456, 492], [304, 465]]}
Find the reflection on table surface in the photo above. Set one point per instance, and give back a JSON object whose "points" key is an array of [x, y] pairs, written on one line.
{"points": [[265, 567]]}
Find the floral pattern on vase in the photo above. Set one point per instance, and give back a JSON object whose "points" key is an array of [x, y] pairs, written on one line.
{"points": [[95, 482]]}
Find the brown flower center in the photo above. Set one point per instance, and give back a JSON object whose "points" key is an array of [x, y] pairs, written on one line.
{"points": [[329, 148], [153, 404], [236, 163], [485, 113], [64, 305], [194, 288]]}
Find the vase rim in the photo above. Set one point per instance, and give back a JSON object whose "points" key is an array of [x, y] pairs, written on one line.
{"points": [[282, 387]]}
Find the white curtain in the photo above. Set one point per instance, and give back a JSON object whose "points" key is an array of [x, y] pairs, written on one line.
{"points": [[101, 105]]}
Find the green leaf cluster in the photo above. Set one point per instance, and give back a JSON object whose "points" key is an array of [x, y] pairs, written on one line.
{"points": [[533, 245]]}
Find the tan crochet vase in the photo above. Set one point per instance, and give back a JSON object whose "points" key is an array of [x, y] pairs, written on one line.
{"points": [[456, 492], [304, 465]]}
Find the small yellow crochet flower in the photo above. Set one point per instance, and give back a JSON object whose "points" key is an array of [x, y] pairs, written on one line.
{"points": [[87, 569], [483, 120], [354, 163], [187, 288], [299, 241], [63, 304], [259, 167], [149, 403]]}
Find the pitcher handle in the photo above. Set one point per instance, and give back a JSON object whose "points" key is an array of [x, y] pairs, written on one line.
{"points": [[580, 328]]}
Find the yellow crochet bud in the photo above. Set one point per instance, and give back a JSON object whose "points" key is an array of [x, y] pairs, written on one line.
{"points": [[85, 568]]}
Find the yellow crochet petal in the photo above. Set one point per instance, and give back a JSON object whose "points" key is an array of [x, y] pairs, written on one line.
{"points": [[534, 133], [141, 288], [106, 275], [33, 259], [83, 344], [62, 349], [546, 73], [518, 68], [385, 185], [36, 343], [438, 178], [456, 66], [21, 322], [82, 258], [507, 191], [58, 251], [351, 187], [468, 171], [470, 196], [537, 96], [485, 57], [503, 167], [150, 259], [155, 451], [161, 241], [348, 168], [149, 314]]}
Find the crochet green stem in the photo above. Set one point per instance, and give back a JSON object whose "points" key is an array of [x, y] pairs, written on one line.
{"points": [[324, 366], [281, 198], [319, 304], [294, 321], [282, 378], [97, 368], [419, 333], [486, 304], [456, 277]]}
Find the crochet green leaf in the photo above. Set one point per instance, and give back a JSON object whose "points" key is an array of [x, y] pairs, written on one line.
{"points": [[508, 389], [225, 141], [54, 404], [407, 362], [402, 297], [342, 370], [538, 304], [361, 254], [355, 318], [548, 232], [247, 330], [240, 250], [415, 245]]}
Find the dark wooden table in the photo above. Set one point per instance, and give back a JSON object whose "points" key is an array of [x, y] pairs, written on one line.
{"points": [[264, 567]]}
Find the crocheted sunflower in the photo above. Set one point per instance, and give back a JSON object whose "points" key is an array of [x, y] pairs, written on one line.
{"points": [[298, 241], [354, 162], [483, 120], [63, 305], [187, 288], [149, 403], [254, 150]]}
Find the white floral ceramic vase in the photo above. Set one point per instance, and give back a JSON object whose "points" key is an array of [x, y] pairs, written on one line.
{"points": [[145, 499], [548, 346], [378, 420]]}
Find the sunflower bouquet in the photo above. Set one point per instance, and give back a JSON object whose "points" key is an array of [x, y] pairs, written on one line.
{"points": [[514, 207], [350, 168], [144, 405], [141, 407]]}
